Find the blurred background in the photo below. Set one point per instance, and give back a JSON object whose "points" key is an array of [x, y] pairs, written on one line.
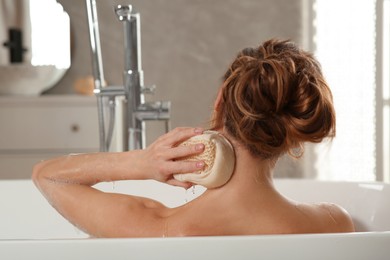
{"points": [[186, 47]]}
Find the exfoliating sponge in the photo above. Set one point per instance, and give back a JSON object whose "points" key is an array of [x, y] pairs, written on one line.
{"points": [[218, 157]]}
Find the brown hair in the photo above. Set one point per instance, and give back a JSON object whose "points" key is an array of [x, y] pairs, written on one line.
{"points": [[274, 98]]}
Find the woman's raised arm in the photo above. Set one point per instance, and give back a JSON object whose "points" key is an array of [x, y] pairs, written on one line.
{"points": [[66, 183]]}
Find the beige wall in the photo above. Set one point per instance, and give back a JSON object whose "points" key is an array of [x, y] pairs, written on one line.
{"points": [[186, 45]]}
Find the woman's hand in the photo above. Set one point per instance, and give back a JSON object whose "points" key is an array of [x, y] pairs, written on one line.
{"points": [[159, 158]]}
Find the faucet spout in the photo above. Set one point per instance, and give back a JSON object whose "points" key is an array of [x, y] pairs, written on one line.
{"points": [[133, 75], [138, 111], [132, 111]]}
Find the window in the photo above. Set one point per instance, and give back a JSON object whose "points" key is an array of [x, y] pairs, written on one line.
{"points": [[346, 43], [383, 97]]}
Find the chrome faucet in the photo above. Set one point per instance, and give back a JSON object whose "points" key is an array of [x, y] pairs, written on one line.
{"points": [[137, 110]]}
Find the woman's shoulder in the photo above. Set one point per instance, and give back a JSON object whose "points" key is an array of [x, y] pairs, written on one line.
{"points": [[333, 218], [198, 218]]}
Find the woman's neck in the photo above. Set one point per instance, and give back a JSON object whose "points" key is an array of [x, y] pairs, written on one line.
{"points": [[250, 174]]}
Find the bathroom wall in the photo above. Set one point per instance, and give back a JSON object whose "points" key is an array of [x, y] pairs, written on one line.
{"points": [[186, 46]]}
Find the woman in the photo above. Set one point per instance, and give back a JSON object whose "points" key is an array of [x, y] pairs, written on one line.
{"points": [[273, 99]]}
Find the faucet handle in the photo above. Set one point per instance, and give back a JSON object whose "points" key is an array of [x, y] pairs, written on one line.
{"points": [[148, 90], [123, 12]]}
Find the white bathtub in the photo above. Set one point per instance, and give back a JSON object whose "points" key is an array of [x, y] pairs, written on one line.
{"points": [[31, 229]]}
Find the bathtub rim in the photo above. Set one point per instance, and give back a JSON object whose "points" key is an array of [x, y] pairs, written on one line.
{"points": [[226, 238], [358, 245]]}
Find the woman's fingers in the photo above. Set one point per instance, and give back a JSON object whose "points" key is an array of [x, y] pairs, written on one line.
{"points": [[176, 167], [185, 151], [161, 157], [185, 185], [179, 135]]}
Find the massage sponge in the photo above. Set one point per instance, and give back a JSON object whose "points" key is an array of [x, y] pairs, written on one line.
{"points": [[218, 157]]}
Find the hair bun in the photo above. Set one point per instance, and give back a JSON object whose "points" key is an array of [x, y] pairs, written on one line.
{"points": [[274, 98]]}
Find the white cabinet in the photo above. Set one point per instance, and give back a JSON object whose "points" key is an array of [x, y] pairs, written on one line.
{"points": [[37, 128]]}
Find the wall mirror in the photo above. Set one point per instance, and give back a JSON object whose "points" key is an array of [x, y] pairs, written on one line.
{"points": [[35, 45]]}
